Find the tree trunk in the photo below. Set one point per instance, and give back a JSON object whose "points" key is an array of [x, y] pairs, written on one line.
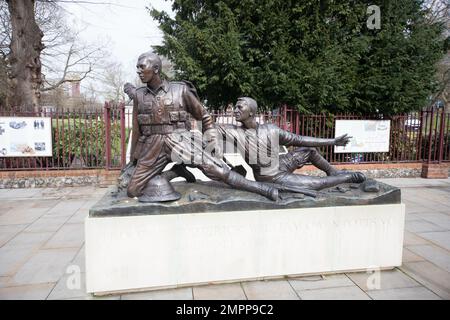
{"points": [[26, 46]]}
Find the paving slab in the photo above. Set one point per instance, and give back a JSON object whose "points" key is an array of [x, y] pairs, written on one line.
{"points": [[18, 193], [45, 203], [10, 231], [409, 256], [68, 236], [439, 219], [437, 206], [22, 216], [418, 226], [12, 259], [433, 196], [410, 239], [416, 182], [411, 207], [168, 294], [71, 285], [441, 239], [86, 191], [320, 282], [416, 293], [47, 224], [4, 282], [388, 279], [231, 291], [54, 193], [413, 216], [34, 240], [342, 293], [79, 216], [430, 276], [269, 290], [66, 207], [79, 259], [28, 292], [434, 254], [91, 297], [6, 205], [45, 266]]}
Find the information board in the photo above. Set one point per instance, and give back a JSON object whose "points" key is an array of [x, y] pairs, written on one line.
{"points": [[367, 135], [25, 137]]}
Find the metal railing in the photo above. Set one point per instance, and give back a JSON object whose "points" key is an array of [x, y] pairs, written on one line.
{"points": [[80, 139], [414, 137], [94, 139]]}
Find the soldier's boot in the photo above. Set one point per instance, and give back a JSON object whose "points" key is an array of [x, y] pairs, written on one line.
{"points": [[236, 180], [331, 181], [357, 177], [179, 170]]}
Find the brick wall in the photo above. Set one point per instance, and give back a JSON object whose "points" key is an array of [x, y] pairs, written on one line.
{"points": [[101, 177], [375, 170], [57, 178]]}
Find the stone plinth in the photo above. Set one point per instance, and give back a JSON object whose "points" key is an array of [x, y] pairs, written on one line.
{"points": [[133, 247]]}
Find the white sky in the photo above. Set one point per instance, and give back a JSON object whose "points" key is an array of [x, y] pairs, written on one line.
{"points": [[127, 24]]}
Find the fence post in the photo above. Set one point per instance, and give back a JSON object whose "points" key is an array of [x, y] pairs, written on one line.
{"points": [[430, 136], [434, 168], [123, 149], [284, 117], [419, 147], [441, 135], [107, 121]]}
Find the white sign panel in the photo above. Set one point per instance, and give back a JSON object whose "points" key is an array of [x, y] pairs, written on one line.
{"points": [[367, 135], [25, 137]]}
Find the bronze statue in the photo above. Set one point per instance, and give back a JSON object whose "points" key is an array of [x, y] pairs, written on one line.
{"points": [[255, 141], [161, 123]]}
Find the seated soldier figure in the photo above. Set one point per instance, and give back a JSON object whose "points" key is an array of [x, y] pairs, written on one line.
{"points": [[256, 141]]}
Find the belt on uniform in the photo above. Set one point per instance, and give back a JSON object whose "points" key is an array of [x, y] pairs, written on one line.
{"points": [[148, 130]]}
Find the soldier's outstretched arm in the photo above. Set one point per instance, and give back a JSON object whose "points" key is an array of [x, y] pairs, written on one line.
{"points": [[291, 139]]}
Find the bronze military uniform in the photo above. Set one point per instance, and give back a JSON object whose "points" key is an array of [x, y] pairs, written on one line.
{"points": [[157, 115], [259, 146], [161, 123]]}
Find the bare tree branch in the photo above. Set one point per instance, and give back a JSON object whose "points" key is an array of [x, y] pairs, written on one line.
{"points": [[65, 57]]}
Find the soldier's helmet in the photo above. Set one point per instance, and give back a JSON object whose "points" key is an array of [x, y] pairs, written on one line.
{"points": [[159, 189]]}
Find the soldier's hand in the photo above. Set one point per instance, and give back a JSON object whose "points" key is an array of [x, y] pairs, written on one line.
{"points": [[129, 89], [127, 86], [342, 140], [211, 143]]}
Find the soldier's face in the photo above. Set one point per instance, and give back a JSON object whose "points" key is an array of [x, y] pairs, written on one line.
{"points": [[242, 111], [145, 70]]}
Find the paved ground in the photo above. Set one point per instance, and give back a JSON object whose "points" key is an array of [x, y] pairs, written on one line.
{"points": [[42, 252]]}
